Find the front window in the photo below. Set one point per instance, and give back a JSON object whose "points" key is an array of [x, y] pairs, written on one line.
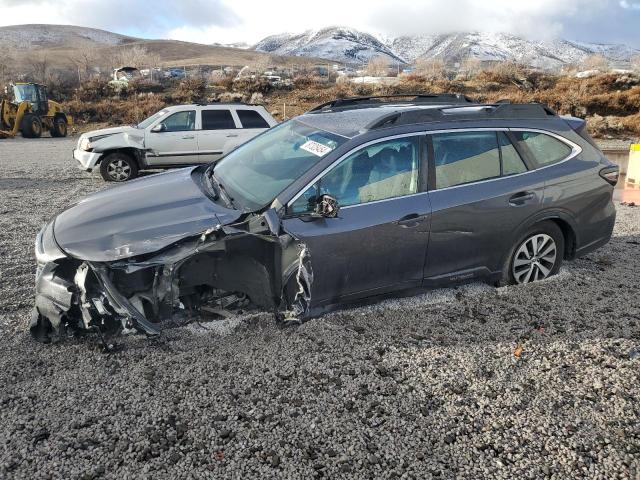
{"points": [[25, 93], [256, 172], [181, 121], [381, 171], [149, 121]]}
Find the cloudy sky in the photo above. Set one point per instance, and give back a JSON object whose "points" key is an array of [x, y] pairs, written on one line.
{"points": [[227, 21]]}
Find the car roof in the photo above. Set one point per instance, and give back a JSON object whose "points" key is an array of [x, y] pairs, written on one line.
{"points": [[214, 106], [354, 116]]}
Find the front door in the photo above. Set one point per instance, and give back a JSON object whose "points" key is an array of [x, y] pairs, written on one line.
{"points": [[175, 143], [379, 240]]}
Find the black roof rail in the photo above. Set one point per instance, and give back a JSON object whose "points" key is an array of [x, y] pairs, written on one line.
{"points": [[345, 103], [458, 112]]}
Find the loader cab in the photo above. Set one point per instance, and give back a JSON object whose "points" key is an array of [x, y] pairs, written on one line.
{"points": [[33, 93]]}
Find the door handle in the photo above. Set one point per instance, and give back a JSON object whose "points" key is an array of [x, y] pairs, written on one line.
{"points": [[521, 198], [232, 135], [411, 220], [188, 137]]}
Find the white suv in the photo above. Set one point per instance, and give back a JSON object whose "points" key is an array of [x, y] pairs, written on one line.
{"points": [[173, 137]]}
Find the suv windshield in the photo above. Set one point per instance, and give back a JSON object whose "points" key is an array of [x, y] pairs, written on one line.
{"points": [[145, 123], [255, 173]]}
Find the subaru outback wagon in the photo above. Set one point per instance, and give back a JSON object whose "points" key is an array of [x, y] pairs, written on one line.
{"points": [[356, 198]]}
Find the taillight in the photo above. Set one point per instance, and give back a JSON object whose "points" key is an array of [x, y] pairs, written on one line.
{"points": [[611, 174]]}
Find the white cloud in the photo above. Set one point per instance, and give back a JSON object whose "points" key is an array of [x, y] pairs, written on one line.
{"points": [[629, 5], [227, 21]]}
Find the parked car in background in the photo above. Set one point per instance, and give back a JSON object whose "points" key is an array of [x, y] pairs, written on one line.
{"points": [[356, 198], [175, 73], [173, 137]]}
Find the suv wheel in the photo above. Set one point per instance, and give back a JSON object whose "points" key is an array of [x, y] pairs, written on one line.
{"points": [[118, 167], [31, 126], [536, 256], [59, 128]]}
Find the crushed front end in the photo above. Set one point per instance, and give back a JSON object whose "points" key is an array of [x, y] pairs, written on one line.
{"points": [[251, 264]]}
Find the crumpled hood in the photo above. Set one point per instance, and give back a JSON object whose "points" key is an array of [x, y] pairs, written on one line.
{"points": [[112, 131], [138, 217]]}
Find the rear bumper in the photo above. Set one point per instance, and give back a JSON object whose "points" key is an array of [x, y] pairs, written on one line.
{"points": [[87, 160]]}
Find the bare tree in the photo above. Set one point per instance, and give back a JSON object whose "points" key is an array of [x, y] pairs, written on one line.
{"points": [[39, 67], [136, 56], [595, 62], [378, 66], [85, 61], [6, 61], [471, 66], [430, 67]]}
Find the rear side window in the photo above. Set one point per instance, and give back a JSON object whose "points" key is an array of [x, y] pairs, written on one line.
{"points": [[465, 157], [251, 119], [544, 149], [217, 120]]}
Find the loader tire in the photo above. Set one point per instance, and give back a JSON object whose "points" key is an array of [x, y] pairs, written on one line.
{"points": [[59, 128], [31, 126]]}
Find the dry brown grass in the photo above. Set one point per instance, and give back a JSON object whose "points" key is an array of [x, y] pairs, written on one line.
{"points": [[610, 103]]}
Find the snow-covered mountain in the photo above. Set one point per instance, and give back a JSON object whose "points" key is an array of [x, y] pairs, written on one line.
{"points": [[352, 46], [27, 37], [333, 43]]}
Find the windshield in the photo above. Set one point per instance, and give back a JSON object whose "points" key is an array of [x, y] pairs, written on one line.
{"points": [[23, 93], [145, 123], [255, 173]]}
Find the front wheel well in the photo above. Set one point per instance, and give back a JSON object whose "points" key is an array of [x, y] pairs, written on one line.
{"points": [[129, 151]]}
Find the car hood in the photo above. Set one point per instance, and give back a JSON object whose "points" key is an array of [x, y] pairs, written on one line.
{"points": [[139, 217], [112, 131]]}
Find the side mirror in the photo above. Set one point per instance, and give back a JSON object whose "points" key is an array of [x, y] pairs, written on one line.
{"points": [[161, 127], [326, 207]]}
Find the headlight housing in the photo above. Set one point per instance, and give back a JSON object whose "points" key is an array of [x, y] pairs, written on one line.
{"points": [[47, 249], [85, 145]]}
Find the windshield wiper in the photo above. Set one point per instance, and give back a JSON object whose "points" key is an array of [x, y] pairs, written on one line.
{"points": [[220, 190]]}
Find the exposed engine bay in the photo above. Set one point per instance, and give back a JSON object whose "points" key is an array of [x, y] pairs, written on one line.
{"points": [[251, 264]]}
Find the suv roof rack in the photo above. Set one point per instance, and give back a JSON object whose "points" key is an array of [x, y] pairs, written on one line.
{"points": [[411, 98], [468, 112]]}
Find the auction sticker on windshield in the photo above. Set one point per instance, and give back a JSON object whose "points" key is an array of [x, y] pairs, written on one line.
{"points": [[315, 148]]}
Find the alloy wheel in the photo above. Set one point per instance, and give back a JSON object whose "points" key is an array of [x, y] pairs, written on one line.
{"points": [[535, 258], [119, 170]]}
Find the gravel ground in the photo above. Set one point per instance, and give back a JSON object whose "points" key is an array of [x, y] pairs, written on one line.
{"points": [[473, 382]]}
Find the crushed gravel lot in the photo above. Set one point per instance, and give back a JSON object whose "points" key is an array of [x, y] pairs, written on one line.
{"points": [[539, 381]]}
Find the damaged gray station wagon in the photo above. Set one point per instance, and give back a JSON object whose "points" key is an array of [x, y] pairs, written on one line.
{"points": [[356, 198]]}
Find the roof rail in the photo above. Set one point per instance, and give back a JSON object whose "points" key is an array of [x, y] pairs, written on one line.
{"points": [[464, 112], [345, 103]]}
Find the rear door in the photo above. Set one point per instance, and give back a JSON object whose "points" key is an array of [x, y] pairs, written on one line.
{"points": [[218, 135], [481, 191], [176, 144], [379, 240]]}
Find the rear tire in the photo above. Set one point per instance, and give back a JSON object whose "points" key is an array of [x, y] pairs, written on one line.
{"points": [[59, 128], [536, 255], [118, 167], [31, 126]]}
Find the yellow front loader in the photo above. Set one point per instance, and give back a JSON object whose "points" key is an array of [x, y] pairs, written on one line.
{"points": [[31, 112]]}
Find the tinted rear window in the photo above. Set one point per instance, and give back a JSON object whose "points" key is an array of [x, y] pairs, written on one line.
{"points": [[544, 149], [217, 120], [251, 119]]}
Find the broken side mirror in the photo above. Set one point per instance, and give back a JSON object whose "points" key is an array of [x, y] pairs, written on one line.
{"points": [[326, 207], [161, 127]]}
